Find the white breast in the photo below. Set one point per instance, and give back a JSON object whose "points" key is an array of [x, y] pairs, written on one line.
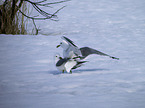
{"points": [[61, 68]]}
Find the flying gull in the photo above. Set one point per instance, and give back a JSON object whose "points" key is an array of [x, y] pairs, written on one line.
{"points": [[70, 50]]}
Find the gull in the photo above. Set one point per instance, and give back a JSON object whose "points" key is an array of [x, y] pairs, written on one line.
{"points": [[67, 64], [70, 50]]}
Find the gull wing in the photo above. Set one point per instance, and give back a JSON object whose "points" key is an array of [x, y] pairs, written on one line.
{"points": [[73, 47], [68, 41], [61, 61], [87, 51], [70, 64], [79, 64]]}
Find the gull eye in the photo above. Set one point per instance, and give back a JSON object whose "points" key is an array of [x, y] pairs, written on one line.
{"points": [[61, 43], [55, 56]]}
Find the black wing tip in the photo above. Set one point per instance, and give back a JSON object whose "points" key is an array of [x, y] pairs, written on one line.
{"points": [[115, 58], [63, 37], [68, 40]]}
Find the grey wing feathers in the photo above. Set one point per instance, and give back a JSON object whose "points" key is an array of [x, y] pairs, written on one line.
{"points": [[87, 51], [61, 61]]}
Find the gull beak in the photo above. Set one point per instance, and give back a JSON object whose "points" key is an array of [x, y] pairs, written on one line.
{"points": [[60, 57], [57, 46]]}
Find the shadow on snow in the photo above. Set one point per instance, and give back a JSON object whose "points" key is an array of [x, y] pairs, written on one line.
{"points": [[77, 71]]}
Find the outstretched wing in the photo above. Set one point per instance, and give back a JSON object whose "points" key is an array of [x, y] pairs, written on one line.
{"points": [[87, 51], [68, 41], [74, 48]]}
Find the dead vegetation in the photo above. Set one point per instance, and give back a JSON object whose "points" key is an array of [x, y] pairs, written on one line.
{"points": [[14, 12]]}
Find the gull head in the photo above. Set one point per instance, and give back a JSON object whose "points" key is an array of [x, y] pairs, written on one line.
{"points": [[57, 58], [63, 44]]}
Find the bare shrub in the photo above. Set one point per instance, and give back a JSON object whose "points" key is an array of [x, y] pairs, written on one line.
{"points": [[13, 15]]}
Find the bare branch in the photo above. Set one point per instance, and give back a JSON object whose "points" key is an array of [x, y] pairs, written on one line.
{"points": [[41, 1], [35, 27], [32, 17], [55, 2], [13, 8], [36, 18], [58, 10], [20, 4], [5, 3], [41, 11], [46, 4]]}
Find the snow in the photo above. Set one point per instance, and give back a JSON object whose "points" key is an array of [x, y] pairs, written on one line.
{"points": [[29, 78]]}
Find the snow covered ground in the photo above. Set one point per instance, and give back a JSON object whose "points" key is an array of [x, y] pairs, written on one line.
{"points": [[29, 78]]}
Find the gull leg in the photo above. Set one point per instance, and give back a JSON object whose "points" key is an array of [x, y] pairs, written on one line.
{"points": [[63, 71]]}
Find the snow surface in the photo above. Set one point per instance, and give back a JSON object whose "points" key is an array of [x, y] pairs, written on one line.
{"points": [[29, 78]]}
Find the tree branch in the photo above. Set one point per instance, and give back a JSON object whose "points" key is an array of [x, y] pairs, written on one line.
{"points": [[35, 27], [32, 17], [55, 2], [14, 10], [41, 11], [58, 10], [5, 3], [20, 4], [39, 3]]}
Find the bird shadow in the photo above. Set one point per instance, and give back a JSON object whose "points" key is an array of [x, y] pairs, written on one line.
{"points": [[78, 71], [54, 72], [88, 70]]}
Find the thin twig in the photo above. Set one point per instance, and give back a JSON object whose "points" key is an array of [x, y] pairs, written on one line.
{"points": [[54, 3], [20, 4], [32, 17], [41, 11], [35, 27], [37, 18], [46, 4], [41, 1], [58, 10]]}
